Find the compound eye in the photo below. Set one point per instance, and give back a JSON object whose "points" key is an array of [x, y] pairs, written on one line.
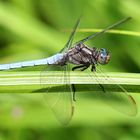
{"points": [[101, 57]]}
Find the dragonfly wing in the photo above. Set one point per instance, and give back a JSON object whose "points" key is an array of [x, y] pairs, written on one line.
{"points": [[70, 40], [58, 92], [103, 31], [119, 99]]}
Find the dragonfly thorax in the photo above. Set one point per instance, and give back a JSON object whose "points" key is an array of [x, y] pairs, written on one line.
{"points": [[82, 54]]}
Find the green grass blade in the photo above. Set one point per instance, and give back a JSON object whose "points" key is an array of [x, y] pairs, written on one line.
{"points": [[29, 82], [113, 31], [29, 28]]}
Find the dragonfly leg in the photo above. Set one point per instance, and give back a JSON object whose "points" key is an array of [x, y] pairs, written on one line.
{"points": [[77, 67], [73, 89], [102, 87], [93, 68], [84, 68]]}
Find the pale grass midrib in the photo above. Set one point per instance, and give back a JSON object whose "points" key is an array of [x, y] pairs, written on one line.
{"points": [[33, 78]]}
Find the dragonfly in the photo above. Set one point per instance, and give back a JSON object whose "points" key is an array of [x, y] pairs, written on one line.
{"points": [[82, 57]]}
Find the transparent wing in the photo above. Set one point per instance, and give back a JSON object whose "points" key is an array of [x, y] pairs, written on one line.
{"points": [[119, 99], [103, 31], [58, 92], [70, 40]]}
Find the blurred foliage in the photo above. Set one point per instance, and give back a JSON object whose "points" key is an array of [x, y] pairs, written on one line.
{"points": [[32, 29]]}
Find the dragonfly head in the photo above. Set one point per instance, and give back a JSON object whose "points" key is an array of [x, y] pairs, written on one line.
{"points": [[103, 57]]}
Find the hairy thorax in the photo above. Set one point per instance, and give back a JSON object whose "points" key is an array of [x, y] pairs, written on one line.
{"points": [[81, 54]]}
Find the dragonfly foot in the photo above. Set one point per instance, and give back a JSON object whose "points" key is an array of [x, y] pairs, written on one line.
{"points": [[102, 87], [77, 67], [74, 99], [93, 68], [83, 67], [73, 89]]}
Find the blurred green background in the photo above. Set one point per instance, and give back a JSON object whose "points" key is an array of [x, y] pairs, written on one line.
{"points": [[32, 29]]}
